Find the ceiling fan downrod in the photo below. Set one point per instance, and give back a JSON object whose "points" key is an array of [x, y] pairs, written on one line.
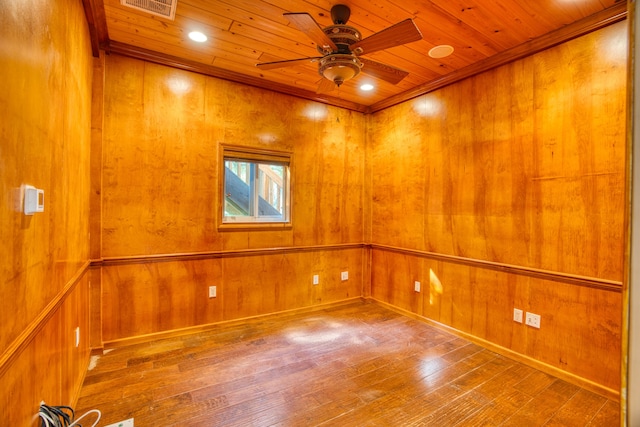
{"points": [[340, 14]]}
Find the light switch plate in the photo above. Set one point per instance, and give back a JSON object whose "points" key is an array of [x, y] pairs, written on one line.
{"points": [[517, 315]]}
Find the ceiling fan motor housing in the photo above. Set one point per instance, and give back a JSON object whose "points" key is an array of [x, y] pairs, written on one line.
{"points": [[343, 36]]}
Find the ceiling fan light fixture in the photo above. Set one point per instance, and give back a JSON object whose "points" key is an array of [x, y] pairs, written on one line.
{"points": [[339, 68]]}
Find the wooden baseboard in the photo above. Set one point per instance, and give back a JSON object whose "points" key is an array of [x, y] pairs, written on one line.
{"points": [[536, 364], [123, 342]]}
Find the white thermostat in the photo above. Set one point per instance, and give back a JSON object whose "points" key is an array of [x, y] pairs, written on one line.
{"points": [[33, 200]]}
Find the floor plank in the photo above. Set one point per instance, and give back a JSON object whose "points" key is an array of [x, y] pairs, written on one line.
{"points": [[358, 364]]}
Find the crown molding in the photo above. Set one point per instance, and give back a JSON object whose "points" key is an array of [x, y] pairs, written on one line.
{"points": [[94, 11]]}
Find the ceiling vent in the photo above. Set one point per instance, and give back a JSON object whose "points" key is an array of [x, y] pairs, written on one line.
{"points": [[164, 8]]}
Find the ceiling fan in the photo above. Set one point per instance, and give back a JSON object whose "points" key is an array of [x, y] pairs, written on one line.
{"points": [[342, 47]]}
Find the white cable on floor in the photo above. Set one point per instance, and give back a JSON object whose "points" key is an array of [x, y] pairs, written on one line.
{"points": [[75, 423]]}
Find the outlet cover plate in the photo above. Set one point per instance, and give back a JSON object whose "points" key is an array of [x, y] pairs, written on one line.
{"points": [[125, 423], [344, 275], [416, 286], [533, 320], [213, 292]]}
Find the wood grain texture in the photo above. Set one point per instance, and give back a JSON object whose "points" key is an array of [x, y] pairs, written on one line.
{"points": [[74, 360], [244, 33], [45, 105], [560, 118], [149, 298], [554, 276], [504, 156], [160, 191], [580, 327], [46, 97], [356, 364], [95, 307], [97, 126], [49, 367], [561, 35], [521, 164], [160, 196]]}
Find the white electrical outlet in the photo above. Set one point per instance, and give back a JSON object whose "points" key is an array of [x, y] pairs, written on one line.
{"points": [[212, 292], [316, 279], [344, 275], [533, 320], [416, 286], [125, 423], [78, 336], [517, 315]]}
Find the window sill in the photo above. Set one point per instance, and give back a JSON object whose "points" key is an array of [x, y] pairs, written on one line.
{"points": [[255, 226]]}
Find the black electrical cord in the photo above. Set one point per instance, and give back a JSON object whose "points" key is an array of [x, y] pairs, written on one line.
{"points": [[62, 416], [55, 416]]}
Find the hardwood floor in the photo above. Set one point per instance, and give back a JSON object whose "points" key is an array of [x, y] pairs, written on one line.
{"points": [[352, 365]]}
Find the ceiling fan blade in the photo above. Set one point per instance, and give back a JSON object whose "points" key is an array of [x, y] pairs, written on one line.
{"points": [[383, 71], [325, 86], [305, 23], [279, 64], [403, 32]]}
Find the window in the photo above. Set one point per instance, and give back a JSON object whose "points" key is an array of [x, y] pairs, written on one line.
{"points": [[255, 186]]}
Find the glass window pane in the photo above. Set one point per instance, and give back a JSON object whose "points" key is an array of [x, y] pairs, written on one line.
{"points": [[236, 190], [270, 190], [255, 188]]}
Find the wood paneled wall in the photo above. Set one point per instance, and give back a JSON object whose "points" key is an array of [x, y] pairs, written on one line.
{"points": [[485, 185], [45, 109], [160, 174], [502, 191], [49, 367], [150, 297], [160, 195]]}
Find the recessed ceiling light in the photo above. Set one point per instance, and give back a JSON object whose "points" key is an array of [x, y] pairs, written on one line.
{"points": [[441, 51], [197, 36], [366, 87]]}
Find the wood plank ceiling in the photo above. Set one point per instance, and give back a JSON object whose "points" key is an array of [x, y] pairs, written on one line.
{"points": [[242, 33]]}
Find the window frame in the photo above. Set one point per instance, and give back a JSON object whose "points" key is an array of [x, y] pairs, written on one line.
{"points": [[254, 155]]}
